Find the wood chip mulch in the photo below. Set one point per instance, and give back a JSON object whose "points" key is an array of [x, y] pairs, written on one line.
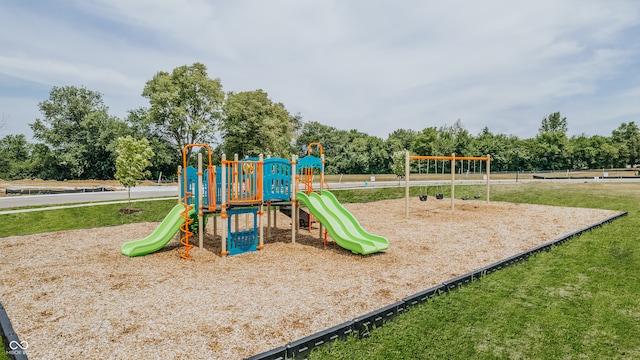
{"points": [[71, 294]]}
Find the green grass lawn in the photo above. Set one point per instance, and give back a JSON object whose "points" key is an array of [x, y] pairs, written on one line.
{"points": [[579, 300], [81, 217], [3, 353]]}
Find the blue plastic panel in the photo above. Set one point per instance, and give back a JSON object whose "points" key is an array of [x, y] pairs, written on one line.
{"points": [[245, 240], [276, 183]]}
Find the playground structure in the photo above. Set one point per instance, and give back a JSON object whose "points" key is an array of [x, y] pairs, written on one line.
{"points": [[453, 160], [242, 188]]}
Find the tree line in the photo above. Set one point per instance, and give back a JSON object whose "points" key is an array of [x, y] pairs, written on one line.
{"points": [[76, 137]]}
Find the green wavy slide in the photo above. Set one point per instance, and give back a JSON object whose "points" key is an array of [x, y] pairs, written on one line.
{"points": [[160, 236], [341, 225]]}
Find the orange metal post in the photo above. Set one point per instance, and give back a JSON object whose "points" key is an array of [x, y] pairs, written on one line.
{"points": [[186, 234], [223, 206]]}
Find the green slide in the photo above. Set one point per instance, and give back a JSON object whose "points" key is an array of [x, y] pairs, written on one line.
{"points": [[160, 236], [343, 227]]}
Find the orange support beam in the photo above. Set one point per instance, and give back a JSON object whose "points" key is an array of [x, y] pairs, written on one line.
{"points": [[186, 234]]}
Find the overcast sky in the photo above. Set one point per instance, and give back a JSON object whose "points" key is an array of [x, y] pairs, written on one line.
{"points": [[375, 66]]}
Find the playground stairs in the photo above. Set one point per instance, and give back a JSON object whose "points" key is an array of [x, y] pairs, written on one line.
{"points": [[303, 216]]}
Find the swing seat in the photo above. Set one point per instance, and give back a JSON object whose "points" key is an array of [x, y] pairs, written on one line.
{"points": [[423, 197], [439, 196]]}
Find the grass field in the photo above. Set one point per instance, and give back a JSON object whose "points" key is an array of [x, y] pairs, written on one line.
{"points": [[578, 301], [82, 217], [3, 354]]}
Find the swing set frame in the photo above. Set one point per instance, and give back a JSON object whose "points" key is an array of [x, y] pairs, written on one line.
{"points": [[453, 158]]}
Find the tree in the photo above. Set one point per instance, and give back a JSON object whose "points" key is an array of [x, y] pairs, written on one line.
{"points": [[98, 138], [424, 142], [334, 143], [364, 154], [464, 140], [45, 164], [165, 159], [346, 152], [400, 140], [552, 150], [608, 155], [79, 132], [252, 124], [132, 161], [185, 106], [397, 143], [378, 156], [582, 153], [627, 136], [501, 148], [553, 123], [553, 145], [15, 157], [398, 163], [64, 111]]}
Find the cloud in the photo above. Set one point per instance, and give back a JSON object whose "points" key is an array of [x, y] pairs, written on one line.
{"points": [[375, 66], [21, 112]]}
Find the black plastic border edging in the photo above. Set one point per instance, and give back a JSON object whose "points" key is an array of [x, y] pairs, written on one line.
{"points": [[300, 349], [10, 337], [423, 296], [365, 323]]}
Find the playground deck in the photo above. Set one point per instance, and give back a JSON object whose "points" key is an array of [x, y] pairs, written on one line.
{"points": [[72, 292]]}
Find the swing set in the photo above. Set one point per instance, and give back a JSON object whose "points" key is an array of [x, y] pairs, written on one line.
{"points": [[439, 195], [453, 159]]}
